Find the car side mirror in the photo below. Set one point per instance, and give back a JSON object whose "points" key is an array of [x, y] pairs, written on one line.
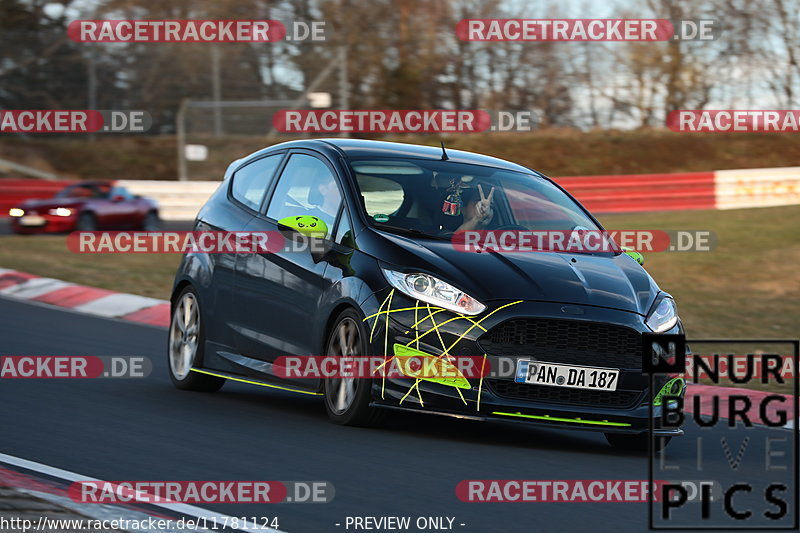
{"points": [[307, 225], [638, 257], [307, 232], [117, 198]]}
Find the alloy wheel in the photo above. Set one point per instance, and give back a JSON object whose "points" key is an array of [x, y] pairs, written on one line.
{"points": [[344, 342], [184, 335]]}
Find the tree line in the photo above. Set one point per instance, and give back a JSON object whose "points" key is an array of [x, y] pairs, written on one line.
{"points": [[404, 54]]}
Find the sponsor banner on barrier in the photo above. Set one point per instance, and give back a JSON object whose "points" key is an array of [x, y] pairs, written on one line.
{"points": [[757, 187]]}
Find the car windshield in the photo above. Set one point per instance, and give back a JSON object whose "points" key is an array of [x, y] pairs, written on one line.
{"points": [[437, 198], [85, 190]]}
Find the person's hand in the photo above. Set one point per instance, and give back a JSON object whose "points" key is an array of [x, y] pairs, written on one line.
{"points": [[484, 206]]}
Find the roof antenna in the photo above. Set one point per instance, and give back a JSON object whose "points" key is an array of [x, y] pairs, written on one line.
{"points": [[444, 153]]}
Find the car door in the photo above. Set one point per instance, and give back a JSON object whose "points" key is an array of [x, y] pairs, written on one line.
{"points": [[127, 212], [239, 200], [105, 211], [278, 293]]}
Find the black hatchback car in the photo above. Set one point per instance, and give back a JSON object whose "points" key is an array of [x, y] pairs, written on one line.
{"points": [[380, 276]]}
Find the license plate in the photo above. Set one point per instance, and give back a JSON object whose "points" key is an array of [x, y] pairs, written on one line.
{"points": [[557, 375], [32, 220]]}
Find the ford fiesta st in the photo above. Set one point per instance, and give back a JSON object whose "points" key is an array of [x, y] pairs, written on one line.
{"points": [[382, 275]]}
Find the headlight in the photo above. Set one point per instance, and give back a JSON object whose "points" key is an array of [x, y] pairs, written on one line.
{"points": [[16, 212], [434, 291], [664, 316], [61, 212]]}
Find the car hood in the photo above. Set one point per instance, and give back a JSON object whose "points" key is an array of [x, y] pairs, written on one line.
{"points": [[616, 282], [49, 203]]}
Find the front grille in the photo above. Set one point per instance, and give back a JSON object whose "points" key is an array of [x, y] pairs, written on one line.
{"points": [[619, 399], [574, 342]]}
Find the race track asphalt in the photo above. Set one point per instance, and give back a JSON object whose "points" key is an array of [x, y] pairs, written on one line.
{"points": [[139, 429]]}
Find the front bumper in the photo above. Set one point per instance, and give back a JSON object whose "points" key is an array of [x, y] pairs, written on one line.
{"points": [[49, 224], [499, 397]]}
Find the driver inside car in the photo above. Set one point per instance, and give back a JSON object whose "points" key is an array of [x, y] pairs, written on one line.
{"points": [[477, 208]]}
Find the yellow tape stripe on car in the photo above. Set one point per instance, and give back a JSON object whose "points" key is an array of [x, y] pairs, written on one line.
{"points": [[255, 382], [556, 419]]}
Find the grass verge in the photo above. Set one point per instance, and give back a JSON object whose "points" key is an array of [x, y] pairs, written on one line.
{"points": [[747, 287]]}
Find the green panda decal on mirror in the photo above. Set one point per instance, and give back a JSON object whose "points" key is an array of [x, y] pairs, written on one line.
{"points": [[306, 225], [638, 257]]}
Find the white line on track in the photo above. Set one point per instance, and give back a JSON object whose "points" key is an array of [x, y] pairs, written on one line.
{"points": [[182, 508]]}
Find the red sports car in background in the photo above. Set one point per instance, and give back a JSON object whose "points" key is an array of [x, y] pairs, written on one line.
{"points": [[86, 206]]}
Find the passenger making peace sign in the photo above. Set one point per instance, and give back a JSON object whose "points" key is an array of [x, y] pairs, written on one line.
{"points": [[478, 211]]}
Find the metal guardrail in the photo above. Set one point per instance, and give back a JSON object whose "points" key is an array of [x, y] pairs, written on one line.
{"points": [[24, 170]]}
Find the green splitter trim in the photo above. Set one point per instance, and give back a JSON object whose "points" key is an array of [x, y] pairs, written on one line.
{"points": [[667, 389], [573, 420], [457, 380]]}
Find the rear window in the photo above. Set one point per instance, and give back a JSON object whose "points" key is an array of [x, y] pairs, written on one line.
{"points": [[251, 182], [381, 195]]}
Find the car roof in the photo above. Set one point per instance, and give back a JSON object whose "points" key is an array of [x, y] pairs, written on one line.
{"points": [[363, 148]]}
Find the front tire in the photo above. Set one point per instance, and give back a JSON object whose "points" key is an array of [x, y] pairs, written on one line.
{"points": [[86, 222], [347, 399], [151, 222], [186, 344]]}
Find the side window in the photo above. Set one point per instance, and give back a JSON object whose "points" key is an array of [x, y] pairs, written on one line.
{"points": [[121, 191], [251, 182], [307, 187], [344, 233]]}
